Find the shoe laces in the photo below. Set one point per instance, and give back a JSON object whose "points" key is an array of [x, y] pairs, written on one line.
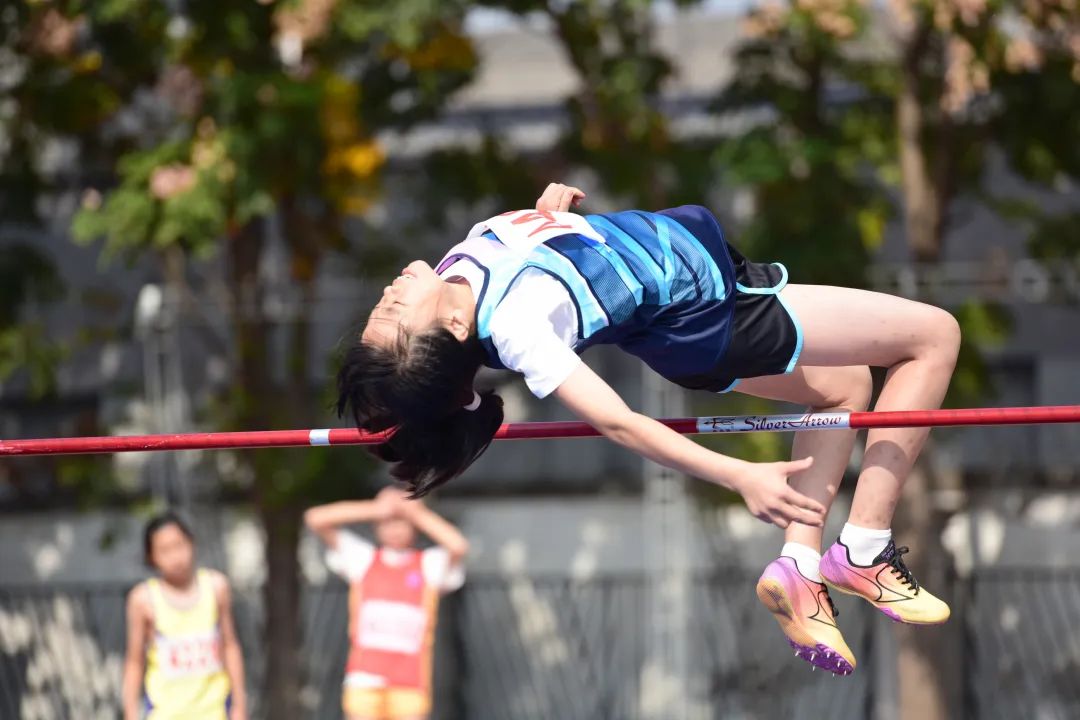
{"points": [[901, 570], [832, 605]]}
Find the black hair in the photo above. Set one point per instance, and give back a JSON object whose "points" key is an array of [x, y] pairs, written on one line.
{"points": [[420, 384], [158, 522]]}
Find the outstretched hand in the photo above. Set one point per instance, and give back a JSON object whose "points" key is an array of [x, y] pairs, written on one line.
{"points": [[770, 499], [559, 198]]}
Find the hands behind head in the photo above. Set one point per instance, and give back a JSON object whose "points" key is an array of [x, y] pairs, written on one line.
{"points": [[394, 502], [559, 198]]}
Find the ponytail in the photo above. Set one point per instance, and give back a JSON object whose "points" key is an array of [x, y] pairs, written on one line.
{"points": [[420, 385], [427, 454]]}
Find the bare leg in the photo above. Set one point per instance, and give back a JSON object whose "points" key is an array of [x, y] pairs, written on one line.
{"points": [[917, 343], [822, 389]]}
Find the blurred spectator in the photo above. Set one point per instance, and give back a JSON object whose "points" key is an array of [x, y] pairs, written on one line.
{"points": [[393, 599], [182, 650]]}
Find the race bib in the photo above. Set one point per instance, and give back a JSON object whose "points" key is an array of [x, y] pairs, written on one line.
{"points": [[523, 230], [391, 627], [189, 654]]}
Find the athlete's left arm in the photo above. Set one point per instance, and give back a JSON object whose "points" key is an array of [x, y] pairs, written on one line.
{"points": [[232, 654], [764, 486], [441, 531]]}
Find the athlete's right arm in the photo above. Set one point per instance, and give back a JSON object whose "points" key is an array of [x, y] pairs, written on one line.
{"points": [[324, 520], [136, 651], [763, 486]]}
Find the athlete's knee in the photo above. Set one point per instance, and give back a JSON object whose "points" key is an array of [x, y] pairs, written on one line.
{"points": [[943, 338]]}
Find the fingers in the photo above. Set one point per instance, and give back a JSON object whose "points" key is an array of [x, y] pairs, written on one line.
{"points": [[782, 517], [779, 521], [797, 466], [792, 507], [565, 198], [569, 196], [559, 197], [796, 498], [800, 508], [770, 519], [549, 199], [806, 517]]}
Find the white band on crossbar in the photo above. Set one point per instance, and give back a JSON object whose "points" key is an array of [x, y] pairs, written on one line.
{"points": [[319, 437]]}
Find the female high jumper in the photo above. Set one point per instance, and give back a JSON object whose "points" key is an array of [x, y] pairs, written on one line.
{"points": [[529, 290]]}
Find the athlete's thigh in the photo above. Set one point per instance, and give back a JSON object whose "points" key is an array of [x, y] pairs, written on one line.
{"points": [[845, 326], [814, 386]]}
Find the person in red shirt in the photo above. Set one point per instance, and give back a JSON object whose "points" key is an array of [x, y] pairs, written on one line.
{"points": [[394, 591]]}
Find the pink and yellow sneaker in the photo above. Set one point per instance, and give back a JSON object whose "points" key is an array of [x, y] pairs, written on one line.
{"points": [[806, 615], [886, 583]]}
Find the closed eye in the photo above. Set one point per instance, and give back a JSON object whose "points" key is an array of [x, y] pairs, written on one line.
{"points": [[392, 310]]}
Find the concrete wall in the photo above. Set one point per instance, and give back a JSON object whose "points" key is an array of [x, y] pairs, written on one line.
{"points": [[574, 536]]}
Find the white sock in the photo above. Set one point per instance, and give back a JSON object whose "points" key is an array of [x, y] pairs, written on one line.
{"points": [[806, 558], [864, 544]]}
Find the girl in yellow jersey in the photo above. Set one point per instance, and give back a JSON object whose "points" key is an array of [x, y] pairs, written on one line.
{"points": [[183, 659]]}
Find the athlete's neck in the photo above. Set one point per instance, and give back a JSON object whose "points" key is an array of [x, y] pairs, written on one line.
{"points": [[458, 296], [182, 584]]}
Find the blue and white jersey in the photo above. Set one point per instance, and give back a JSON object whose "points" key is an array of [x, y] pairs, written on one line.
{"points": [[638, 280]]}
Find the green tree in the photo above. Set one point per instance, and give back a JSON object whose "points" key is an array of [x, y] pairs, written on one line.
{"points": [[264, 113], [878, 116], [616, 130], [26, 275]]}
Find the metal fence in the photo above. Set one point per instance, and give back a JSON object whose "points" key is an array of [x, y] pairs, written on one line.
{"points": [[535, 648], [1022, 650]]}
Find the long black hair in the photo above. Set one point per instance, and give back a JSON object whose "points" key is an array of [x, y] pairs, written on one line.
{"points": [[420, 384], [156, 523]]}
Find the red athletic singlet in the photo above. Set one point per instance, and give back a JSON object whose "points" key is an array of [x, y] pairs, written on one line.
{"points": [[392, 622]]}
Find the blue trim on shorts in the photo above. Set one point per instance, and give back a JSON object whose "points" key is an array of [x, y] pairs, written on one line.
{"points": [[775, 290], [730, 387], [798, 335]]}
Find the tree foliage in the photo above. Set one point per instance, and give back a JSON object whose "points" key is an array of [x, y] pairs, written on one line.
{"points": [[201, 127], [902, 115], [204, 127]]}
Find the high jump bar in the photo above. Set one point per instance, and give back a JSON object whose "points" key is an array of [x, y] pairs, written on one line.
{"points": [[549, 430]]}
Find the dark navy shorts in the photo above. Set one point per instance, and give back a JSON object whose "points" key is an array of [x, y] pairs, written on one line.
{"points": [[766, 337]]}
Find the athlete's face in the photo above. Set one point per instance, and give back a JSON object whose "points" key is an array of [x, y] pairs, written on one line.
{"points": [[173, 554], [409, 304], [395, 533]]}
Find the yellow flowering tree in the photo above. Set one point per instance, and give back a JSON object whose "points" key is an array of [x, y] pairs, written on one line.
{"points": [[209, 123]]}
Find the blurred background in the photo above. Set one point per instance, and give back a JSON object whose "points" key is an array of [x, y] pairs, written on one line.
{"points": [[200, 200]]}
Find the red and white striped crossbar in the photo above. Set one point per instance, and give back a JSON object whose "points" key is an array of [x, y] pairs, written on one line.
{"points": [[549, 430]]}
